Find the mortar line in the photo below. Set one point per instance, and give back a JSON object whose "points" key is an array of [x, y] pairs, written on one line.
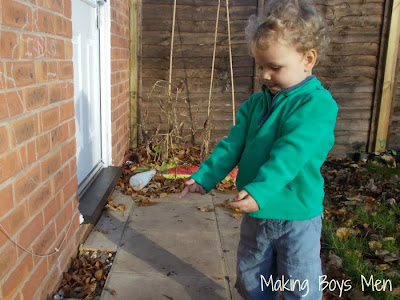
{"points": [[224, 265]]}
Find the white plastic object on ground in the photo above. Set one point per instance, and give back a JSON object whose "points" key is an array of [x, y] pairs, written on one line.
{"points": [[141, 178]]}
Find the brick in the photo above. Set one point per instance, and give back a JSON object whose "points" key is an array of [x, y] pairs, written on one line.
{"points": [[61, 178], [53, 207], [39, 198], [24, 129], [42, 145], [18, 297], [52, 70], [67, 90], [21, 73], [72, 167], [70, 189], [51, 164], [3, 107], [23, 155], [15, 14], [27, 182], [59, 135], [55, 48], [10, 164], [17, 277], [2, 76], [72, 127], [4, 140], [69, 150], [49, 119], [54, 93], [63, 27], [56, 5], [31, 231], [11, 104], [16, 219], [41, 71], [63, 218], [9, 44], [67, 111], [8, 257], [68, 50], [35, 97], [45, 22], [46, 239], [31, 152], [6, 196], [55, 259], [66, 69], [35, 280], [46, 71], [33, 46], [69, 252], [67, 9], [48, 284]]}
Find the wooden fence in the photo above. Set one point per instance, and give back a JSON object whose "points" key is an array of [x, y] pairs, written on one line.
{"points": [[353, 69]]}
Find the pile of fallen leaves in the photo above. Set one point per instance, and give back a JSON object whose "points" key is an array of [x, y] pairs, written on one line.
{"points": [[86, 276], [145, 158], [361, 228]]}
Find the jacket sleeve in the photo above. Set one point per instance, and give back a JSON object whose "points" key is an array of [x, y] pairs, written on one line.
{"points": [[226, 154], [308, 132]]}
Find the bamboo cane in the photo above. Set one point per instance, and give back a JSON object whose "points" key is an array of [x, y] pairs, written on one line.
{"points": [[231, 62], [171, 53]]}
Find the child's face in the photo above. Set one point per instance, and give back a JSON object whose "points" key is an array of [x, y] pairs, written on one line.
{"points": [[281, 66]]}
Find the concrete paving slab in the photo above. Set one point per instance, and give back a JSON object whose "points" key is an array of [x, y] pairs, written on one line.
{"points": [[134, 286], [166, 252], [233, 292], [107, 233], [227, 223], [179, 217], [230, 241], [189, 198], [170, 250], [225, 220]]}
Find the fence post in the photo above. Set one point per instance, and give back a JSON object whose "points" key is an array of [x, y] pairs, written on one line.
{"points": [[388, 79]]}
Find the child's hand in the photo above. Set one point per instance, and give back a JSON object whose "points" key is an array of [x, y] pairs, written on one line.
{"points": [[245, 202], [192, 187]]}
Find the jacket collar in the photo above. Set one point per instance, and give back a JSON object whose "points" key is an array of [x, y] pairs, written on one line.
{"points": [[292, 88]]}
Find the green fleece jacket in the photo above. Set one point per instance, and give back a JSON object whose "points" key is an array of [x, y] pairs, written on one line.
{"points": [[280, 143]]}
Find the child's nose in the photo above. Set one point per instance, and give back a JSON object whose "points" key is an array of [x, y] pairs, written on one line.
{"points": [[265, 74]]}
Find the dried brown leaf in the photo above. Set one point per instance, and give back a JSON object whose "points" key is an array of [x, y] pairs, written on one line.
{"points": [[236, 215], [342, 233], [138, 187], [374, 245], [98, 275], [205, 208], [121, 207]]}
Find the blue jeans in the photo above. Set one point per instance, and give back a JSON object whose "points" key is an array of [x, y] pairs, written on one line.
{"points": [[277, 255]]}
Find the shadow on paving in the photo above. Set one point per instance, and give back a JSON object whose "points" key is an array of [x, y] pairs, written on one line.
{"points": [[166, 251]]}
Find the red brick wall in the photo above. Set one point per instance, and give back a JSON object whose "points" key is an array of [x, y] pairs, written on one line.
{"points": [[38, 179], [120, 104]]}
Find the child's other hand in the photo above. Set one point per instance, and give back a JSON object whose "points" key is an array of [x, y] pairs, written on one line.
{"points": [[192, 187], [245, 202]]}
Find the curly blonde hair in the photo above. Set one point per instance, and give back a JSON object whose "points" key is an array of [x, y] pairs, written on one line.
{"points": [[294, 22]]}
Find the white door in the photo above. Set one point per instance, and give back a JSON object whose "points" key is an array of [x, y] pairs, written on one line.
{"points": [[86, 61]]}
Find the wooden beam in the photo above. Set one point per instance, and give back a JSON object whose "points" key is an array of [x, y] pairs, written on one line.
{"points": [[256, 80], [380, 69], [388, 79], [134, 72]]}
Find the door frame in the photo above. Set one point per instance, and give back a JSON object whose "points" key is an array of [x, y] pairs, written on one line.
{"points": [[104, 24], [105, 82]]}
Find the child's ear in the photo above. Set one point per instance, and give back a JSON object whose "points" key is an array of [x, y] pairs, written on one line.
{"points": [[310, 58]]}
